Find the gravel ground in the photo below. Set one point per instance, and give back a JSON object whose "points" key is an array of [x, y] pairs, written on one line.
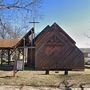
{"points": [[34, 88]]}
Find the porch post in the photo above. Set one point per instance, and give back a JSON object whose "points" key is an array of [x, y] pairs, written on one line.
{"points": [[1, 57], [8, 56]]}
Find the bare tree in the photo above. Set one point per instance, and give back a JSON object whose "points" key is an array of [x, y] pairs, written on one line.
{"points": [[6, 30], [18, 12]]}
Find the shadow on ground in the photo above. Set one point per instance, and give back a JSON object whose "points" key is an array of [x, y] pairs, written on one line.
{"points": [[6, 67]]}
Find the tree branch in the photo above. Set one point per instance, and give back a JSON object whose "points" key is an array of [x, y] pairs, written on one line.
{"points": [[31, 3], [15, 5], [12, 7]]}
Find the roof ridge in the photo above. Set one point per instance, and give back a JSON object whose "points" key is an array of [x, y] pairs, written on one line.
{"points": [[56, 26], [42, 31]]}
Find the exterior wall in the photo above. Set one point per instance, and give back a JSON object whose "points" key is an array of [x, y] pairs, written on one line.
{"points": [[31, 58], [54, 51]]}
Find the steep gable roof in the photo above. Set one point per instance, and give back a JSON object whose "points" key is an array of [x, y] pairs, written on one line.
{"points": [[42, 32], [9, 43], [25, 36], [55, 26]]}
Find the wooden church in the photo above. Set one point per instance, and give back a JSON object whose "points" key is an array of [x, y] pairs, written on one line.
{"points": [[51, 49]]}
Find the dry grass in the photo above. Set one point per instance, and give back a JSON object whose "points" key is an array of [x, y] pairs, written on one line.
{"points": [[38, 78]]}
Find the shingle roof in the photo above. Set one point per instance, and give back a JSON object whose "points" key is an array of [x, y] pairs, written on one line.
{"points": [[8, 43]]}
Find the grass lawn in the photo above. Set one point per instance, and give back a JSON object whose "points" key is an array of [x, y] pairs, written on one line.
{"points": [[38, 78]]}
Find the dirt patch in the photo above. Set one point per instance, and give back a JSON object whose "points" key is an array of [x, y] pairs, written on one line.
{"points": [[26, 88]]}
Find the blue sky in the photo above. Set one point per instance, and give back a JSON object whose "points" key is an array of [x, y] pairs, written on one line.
{"points": [[72, 15]]}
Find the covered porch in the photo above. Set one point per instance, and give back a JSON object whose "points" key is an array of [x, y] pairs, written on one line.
{"points": [[18, 49]]}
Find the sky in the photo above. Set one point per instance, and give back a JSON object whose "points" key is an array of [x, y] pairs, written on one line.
{"points": [[72, 15]]}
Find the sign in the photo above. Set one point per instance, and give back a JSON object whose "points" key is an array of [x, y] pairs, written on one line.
{"points": [[20, 65]]}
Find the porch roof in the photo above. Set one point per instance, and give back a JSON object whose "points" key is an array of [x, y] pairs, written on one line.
{"points": [[8, 43]]}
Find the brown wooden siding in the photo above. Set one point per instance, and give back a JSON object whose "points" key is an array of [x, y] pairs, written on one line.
{"points": [[55, 50], [31, 57]]}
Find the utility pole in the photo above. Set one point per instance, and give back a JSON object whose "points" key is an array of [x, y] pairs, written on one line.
{"points": [[33, 18], [32, 41], [33, 33]]}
